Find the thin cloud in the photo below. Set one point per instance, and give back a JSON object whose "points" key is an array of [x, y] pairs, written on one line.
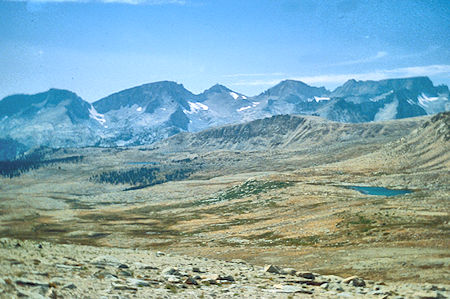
{"points": [[131, 2], [254, 75], [256, 83], [429, 70], [375, 57]]}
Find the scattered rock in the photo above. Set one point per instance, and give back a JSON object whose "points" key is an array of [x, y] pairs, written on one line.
{"points": [[172, 278], [125, 273], [27, 294], [68, 267], [70, 286], [288, 271], [213, 277], [332, 286], [170, 271], [138, 282], [123, 287], [30, 283], [331, 278], [208, 281], [123, 266], [346, 295], [104, 275], [106, 260], [227, 278], [145, 266], [307, 275], [354, 281], [280, 288], [179, 278], [52, 294], [190, 281], [429, 295], [272, 269]]}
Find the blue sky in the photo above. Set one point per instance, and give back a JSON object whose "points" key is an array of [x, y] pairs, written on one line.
{"points": [[98, 47]]}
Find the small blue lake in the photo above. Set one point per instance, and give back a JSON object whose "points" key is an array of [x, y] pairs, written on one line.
{"points": [[381, 191], [142, 163]]}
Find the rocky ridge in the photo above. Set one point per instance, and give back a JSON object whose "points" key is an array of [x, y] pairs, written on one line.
{"points": [[45, 270], [287, 132], [425, 148]]}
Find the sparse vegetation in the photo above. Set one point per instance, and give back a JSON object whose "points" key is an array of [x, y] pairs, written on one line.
{"points": [[17, 167], [172, 288], [249, 188], [142, 177]]}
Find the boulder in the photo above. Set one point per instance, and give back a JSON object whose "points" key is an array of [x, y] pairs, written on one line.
{"points": [[305, 274], [190, 281], [354, 281], [272, 269], [170, 271], [137, 282], [227, 278], [106, 260], [172, 279], [288, 271]]}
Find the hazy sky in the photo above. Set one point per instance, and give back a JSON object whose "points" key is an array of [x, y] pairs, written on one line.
{"points": [[95, 48]]}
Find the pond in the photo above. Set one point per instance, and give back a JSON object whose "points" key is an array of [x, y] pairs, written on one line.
{"points": [[381, 191]]}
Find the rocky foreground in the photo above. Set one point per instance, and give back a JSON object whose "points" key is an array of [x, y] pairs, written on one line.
{"points": [[45, 270]]}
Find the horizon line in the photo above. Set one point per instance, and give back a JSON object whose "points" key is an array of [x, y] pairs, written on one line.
{"points": [[275, 82]]}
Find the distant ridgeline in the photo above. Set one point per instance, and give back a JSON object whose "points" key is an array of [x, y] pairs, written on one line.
{"points": [[31, 161], [151, 112]]}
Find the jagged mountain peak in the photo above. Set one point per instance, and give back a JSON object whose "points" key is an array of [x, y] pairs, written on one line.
{"points": [[162, 84], [55, 118], [220, 94], [293, 87], [148, 95], [217, 88], [413, 84], [26, 105], [158, 86]]}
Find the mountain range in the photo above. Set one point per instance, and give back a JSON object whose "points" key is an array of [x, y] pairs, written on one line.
{"points": [[152, 112]]}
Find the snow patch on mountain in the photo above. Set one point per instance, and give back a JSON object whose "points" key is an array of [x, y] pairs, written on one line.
{"points": [[424, 100], [433, 104], [195, 107], [318, 99], [381, 96], [234, 95], [411, 102], [389, 111], [97, 116], [244, 108]]}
